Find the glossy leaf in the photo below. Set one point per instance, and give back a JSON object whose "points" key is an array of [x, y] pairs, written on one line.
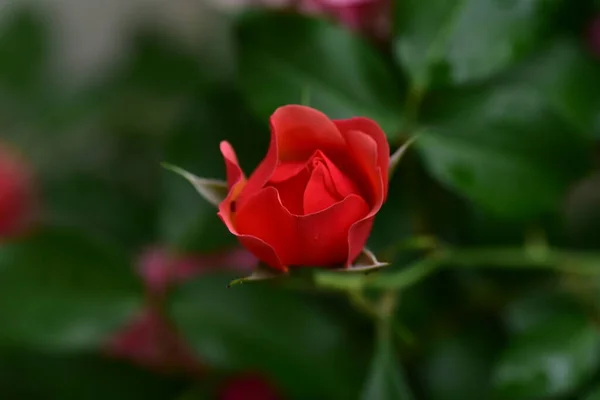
{"points": [[459, 41], [270, 330], [60, 290], [281, 55], [543, 363], [385, 381], [486, 141]]}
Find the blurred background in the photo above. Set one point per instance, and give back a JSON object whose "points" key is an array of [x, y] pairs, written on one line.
{"points": [[113, 271]]}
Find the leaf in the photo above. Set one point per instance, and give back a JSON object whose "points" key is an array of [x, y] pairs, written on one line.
{"points": [[543, 363], [593, 395], [458, 366], [33, 375], [23, 49], [281, 54], [306, 350], [261, 273], [61, 290], [460, 41], [485, 141], [212, 190], [557, 73], [385, 381], [399, 153]]}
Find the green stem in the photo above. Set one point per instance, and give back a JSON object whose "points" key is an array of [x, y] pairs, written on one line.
{"points": [[571, 262]]}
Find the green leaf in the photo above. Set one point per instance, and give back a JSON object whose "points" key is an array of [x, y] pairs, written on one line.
{"points": [[552, 359], [568, 77], [281, 55], [306, 350], [60, 290], [31, 375], [593, 395], [484, 142], [458, 41], [458, 366], [385, 380], [23, 48]]}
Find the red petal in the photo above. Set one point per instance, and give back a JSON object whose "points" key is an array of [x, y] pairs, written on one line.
{"points": [[234, 172], [343, 185], [291, 191], [296, 133], [319, 239], [319, 192], [301, 131], [363, 151], [227, 211], [372, 129]]}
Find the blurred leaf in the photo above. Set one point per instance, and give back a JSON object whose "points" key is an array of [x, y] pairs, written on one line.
{"points": [[60, 290], [99, 206], [459, 41], [23, 47], [458, 366], [593, 395], [486, 141], [260, 327], [552, 359], [536, 309], [28, 375], [186, 221], [281, 56], [569, 78], [385, 381]]}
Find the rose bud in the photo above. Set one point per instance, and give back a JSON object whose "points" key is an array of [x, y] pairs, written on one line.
{"points": [[312, 200], [16, 197]]}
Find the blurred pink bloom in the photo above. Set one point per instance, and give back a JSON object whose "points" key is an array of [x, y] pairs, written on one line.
{"points": [[160, 269], [370, 17], [149, 340], [16, 194], [248, 387], [594, 36]]}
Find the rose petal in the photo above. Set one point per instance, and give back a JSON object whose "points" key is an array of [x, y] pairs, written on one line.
{"points": [[291, 191], [232, 165], [363, 151], [343, 185], [371, 129], [319, 192], [227, 211], [319, 239], [302, 130], [296, 133]]}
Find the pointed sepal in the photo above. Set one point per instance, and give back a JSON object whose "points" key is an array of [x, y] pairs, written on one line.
{"points": [[365, 262], [213, 190], [261, 273], [399, 153]]}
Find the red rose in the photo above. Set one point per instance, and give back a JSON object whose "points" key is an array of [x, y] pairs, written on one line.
{"points": [[312, 200]]}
